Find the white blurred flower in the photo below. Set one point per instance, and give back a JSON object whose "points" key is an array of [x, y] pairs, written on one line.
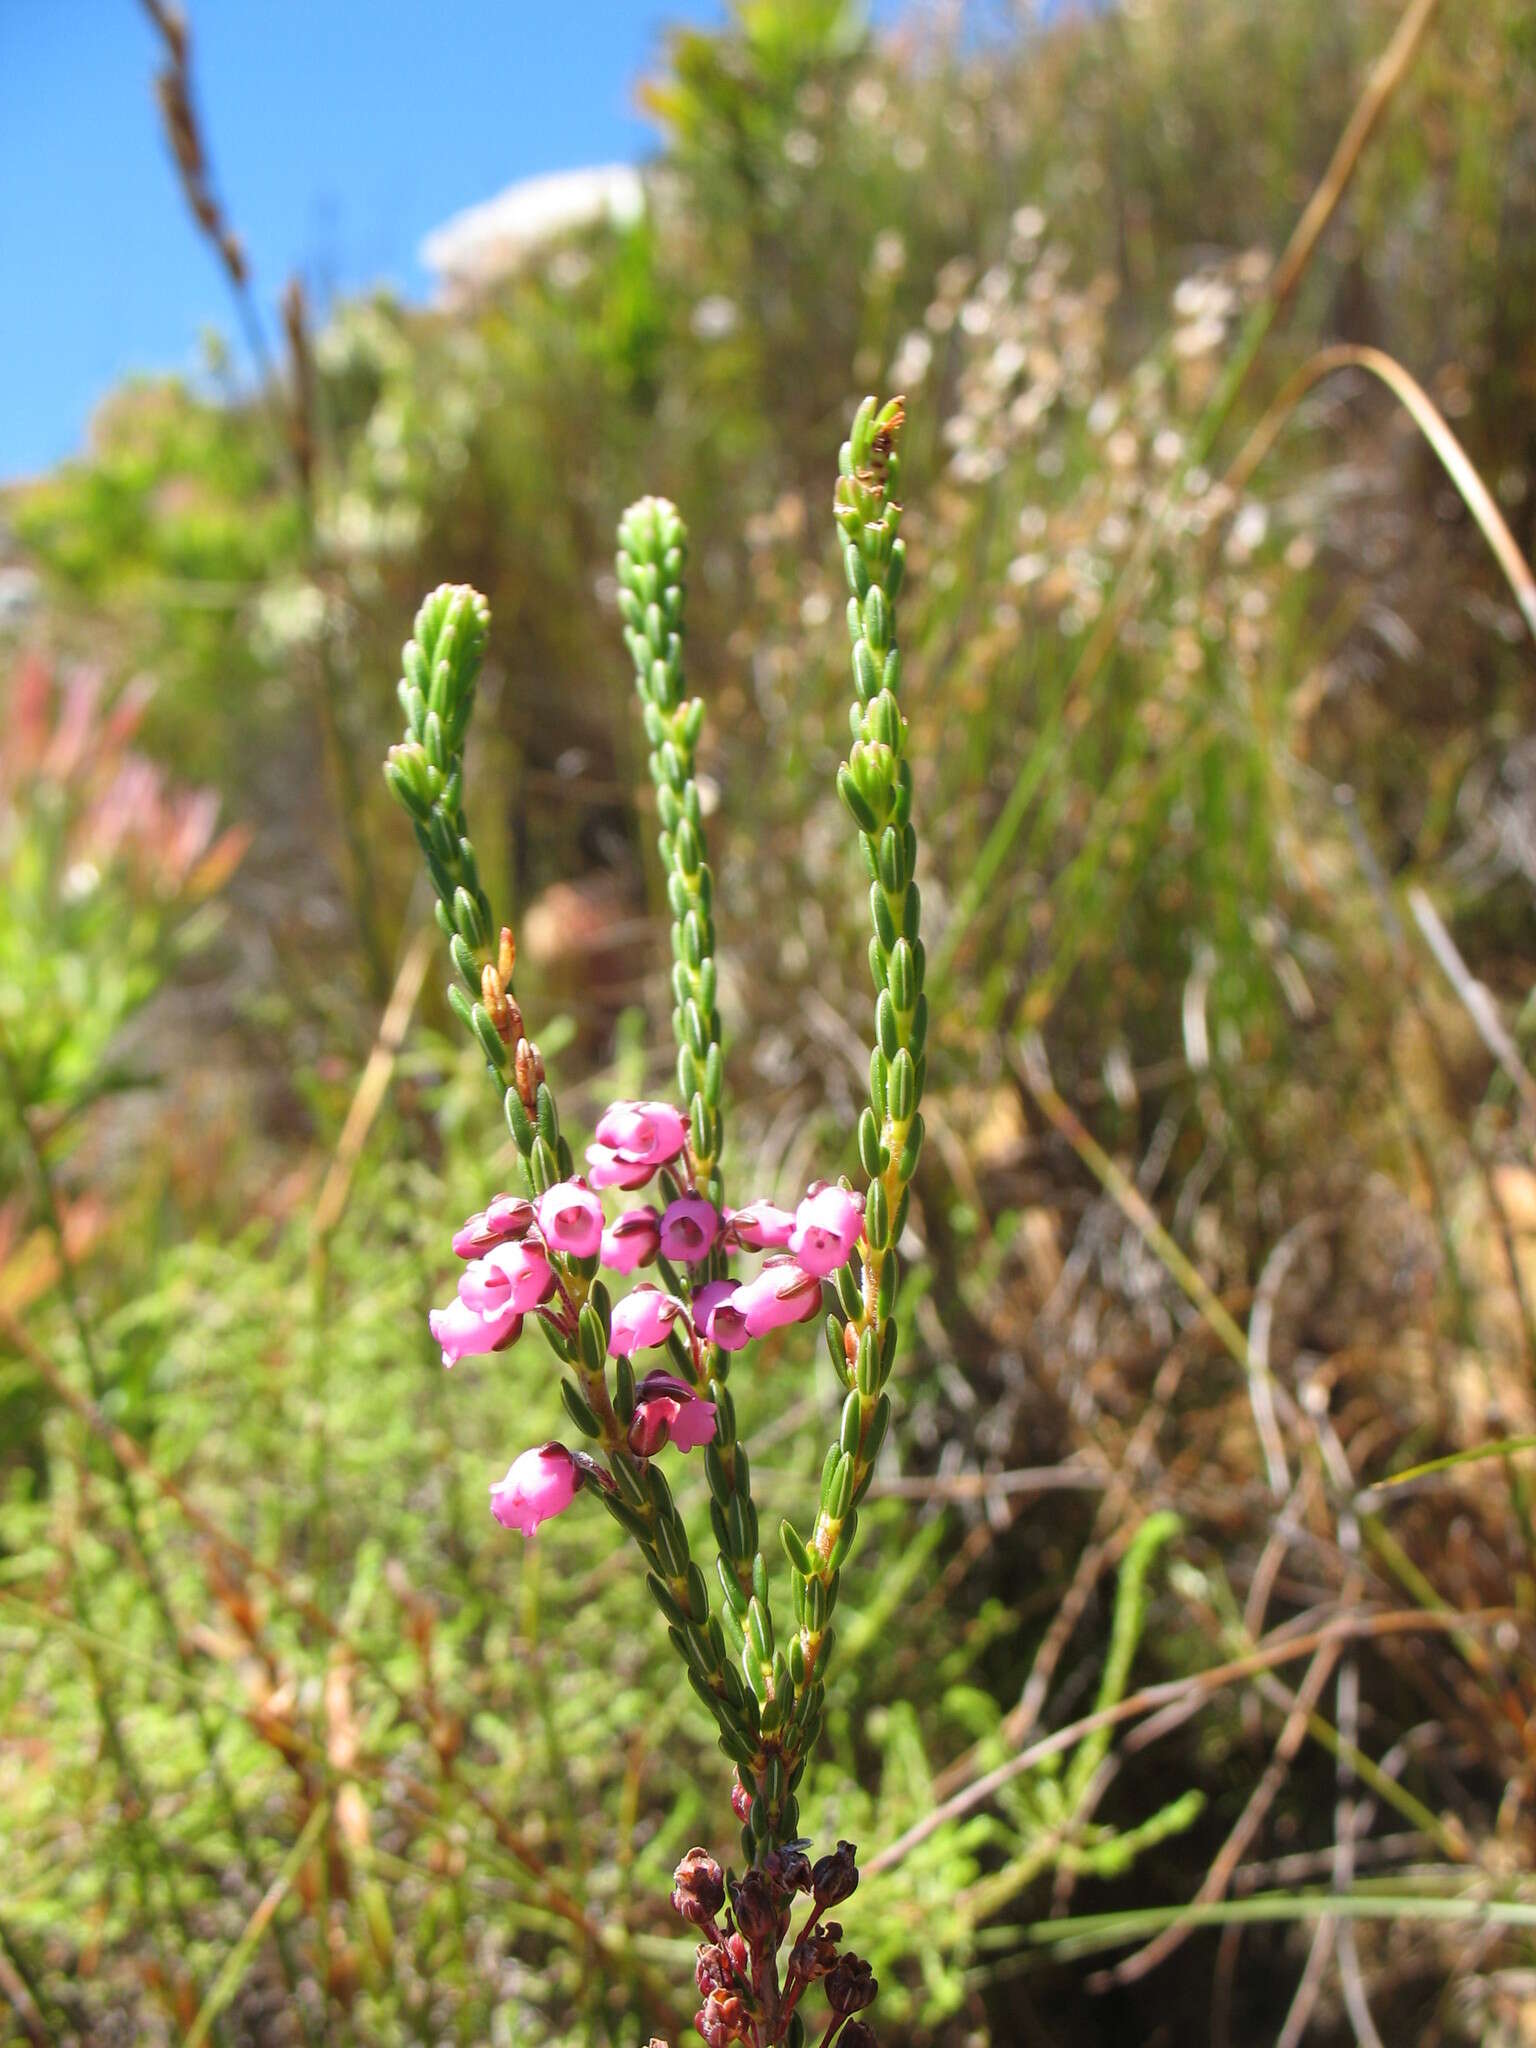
{"points": [[911, 362], [1026, 569], [714, 317], [488, 241], [1248, 531], [288, 616], [888, 258]]}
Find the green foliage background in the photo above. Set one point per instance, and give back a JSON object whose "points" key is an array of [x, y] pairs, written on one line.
{"points": [[1139, 868]]}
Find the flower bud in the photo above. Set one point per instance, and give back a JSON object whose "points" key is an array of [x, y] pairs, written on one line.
{"points": [[756, 1914], [724, 2019], [814, 1954], [711, 1969], [788, 1869], [698, 1889], [850, 1985], [835, 1876]]}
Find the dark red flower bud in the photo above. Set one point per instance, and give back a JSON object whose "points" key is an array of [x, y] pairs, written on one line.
{"points": [[835, 1877], [756, 1913], [857, 2034], [711, 1969], [722, 2020], [851, 1985], [788, 1870], [814, 1953], [698, 1890]]}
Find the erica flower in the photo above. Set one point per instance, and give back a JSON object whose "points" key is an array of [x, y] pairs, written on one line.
{"points": [[609, 1169], [641, 1321], [827, 1226], [571, 1218], [783, 1292], [689, 1226], [718, 1315], [668, 1411], [760, 1227], [645, 1133], [540, 1483], [513, 1276], [503, 1217], [632, 1239], [464, 1332]]}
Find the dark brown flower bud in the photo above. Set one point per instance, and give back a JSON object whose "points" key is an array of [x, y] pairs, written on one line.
{"points": [[788, 1870], [835, 1877], [756, 1913], [814, 1953], [698, 1890], [723, 2019], [857, 2034], [851, 1985]]}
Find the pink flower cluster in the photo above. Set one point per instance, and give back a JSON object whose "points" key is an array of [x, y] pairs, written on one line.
{"points": [[513, 1250]]}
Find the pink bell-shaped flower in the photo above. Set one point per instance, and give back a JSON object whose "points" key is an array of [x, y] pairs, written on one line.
{"points": [[632, 1239], [760, 1227], [718, 1315], [464, 1332], [827, 1227], [539, 1484], [571, 1218], [689, 1226], [668, 1411], [783, 1292], [641, 1321], [648, 1133], [503, 1217], [609, 1169], [516, 1274]]}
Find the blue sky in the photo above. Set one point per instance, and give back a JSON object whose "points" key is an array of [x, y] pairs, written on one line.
{"points": [[341, 131]]}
